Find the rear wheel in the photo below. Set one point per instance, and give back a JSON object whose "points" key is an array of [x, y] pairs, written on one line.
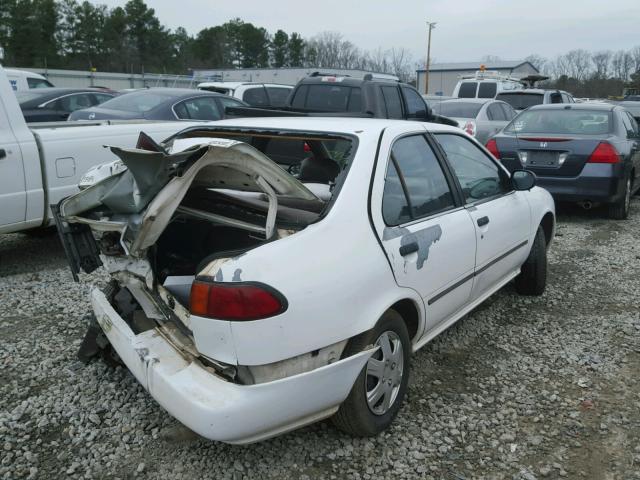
{"points": [[620, 209], [379, 390], [533, 275]]}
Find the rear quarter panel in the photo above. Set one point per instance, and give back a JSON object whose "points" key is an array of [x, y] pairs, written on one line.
{"points": [[334, 275], [68, 152]]}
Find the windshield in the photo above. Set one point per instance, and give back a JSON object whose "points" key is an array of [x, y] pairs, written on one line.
{"points": [[458, 109], [521, 101], [579, 122], [137, 101]]}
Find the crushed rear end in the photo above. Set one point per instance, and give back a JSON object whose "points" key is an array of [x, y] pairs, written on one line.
{"points": [[166, 224]]}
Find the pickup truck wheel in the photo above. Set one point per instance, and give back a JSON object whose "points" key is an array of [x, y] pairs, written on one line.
{"points": [[533, 276], [620, 209], [379, 390]]}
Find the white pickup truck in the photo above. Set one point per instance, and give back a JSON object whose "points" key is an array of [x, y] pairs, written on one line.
{"points": [[40, 165]]}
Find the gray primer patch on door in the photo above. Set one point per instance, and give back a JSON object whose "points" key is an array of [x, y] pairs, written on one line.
{"points": [[424, 238]]}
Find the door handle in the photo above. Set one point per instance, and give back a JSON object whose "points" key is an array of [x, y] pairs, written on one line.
{"points": [[408, 248], [3, 153], [482, 221]]}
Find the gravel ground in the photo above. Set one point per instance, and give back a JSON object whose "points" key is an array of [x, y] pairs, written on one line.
{"points": [[522, 388]]}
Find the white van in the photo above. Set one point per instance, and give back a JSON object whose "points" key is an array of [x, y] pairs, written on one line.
{"points": [[24, 80], [485, 84]]}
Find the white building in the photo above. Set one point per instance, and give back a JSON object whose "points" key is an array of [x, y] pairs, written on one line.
{"points": [[444, 76]]}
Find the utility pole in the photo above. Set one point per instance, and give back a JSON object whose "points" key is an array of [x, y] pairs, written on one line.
{"points": [[431, 26]]}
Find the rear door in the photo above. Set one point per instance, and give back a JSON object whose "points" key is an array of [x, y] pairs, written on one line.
{"points": [[427, 236], [13, 196], [500, 215]]}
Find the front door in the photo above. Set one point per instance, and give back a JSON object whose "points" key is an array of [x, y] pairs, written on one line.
{"points": [[500, 215], [427, 236]]}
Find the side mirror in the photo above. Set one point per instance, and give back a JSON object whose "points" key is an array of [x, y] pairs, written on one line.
{"points": [[523, 180], [421, 115]]}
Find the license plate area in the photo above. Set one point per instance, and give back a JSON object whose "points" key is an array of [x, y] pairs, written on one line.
{"points": [[541, 159]]}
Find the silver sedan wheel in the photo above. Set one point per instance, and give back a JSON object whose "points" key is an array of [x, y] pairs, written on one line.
{"points": [[384, 373]]}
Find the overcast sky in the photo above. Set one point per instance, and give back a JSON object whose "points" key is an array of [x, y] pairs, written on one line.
{"points": [[467, 29]]}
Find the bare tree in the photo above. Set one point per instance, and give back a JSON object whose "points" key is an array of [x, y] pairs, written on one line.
{"points": [[578, 63], [400, 60], [602, 62], [635, 55], [559, 67], [622, 64], [539, 62]]}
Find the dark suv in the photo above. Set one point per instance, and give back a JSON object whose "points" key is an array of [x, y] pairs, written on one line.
{"points": [[368, 96]]}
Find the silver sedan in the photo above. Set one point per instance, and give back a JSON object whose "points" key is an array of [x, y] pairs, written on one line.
{"points": [[479, 117]]}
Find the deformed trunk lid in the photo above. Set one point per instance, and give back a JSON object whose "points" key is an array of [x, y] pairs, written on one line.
{"points": [[142, 199]]}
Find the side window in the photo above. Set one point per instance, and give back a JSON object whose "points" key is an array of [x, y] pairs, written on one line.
{"points": [[300, 97], [467, 90], [99, 98], [38, 83], [508, 111], [478, 175], [256, 97], [495, 113], [629, 123], [634, 124], [202, 108], [487, 90], [555, 97], [416, 107], [71, 103], [392, 100], [415, 185], [278, 96]]}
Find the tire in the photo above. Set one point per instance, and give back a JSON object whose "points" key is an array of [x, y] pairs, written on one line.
{"points": [[533, 276], [356, 416], [620, 209]]}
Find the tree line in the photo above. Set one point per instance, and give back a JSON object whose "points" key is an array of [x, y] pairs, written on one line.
{"points": [[597, 74], [81, 35]]}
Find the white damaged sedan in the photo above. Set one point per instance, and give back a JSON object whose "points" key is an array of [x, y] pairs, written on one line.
{"points": [[268, 273]]}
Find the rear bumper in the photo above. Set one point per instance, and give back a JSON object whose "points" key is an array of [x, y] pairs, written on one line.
{"points": [[600, 183], [217, 408]]}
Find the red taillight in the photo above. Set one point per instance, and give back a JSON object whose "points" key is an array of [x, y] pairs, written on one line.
{"points": [[470, 128], [604, 153], [306, 147], [235, 301], [492, 146]]}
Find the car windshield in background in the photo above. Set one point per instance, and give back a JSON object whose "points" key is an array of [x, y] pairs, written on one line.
{"points": [[328, 98], [458, 109], [137, 101], [521, 101], [579, 122]]}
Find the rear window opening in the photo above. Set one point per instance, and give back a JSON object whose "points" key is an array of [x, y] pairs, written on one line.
{"points": [[214, 222]]}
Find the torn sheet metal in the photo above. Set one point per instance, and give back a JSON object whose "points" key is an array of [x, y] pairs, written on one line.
{"points": [[142, 200]]}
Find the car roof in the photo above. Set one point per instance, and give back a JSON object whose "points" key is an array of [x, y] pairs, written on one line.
{"points": [[471, 100], [176, 92], [574, 106], [234, 85], [344, 125], [345, 81], [53, 91]]}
